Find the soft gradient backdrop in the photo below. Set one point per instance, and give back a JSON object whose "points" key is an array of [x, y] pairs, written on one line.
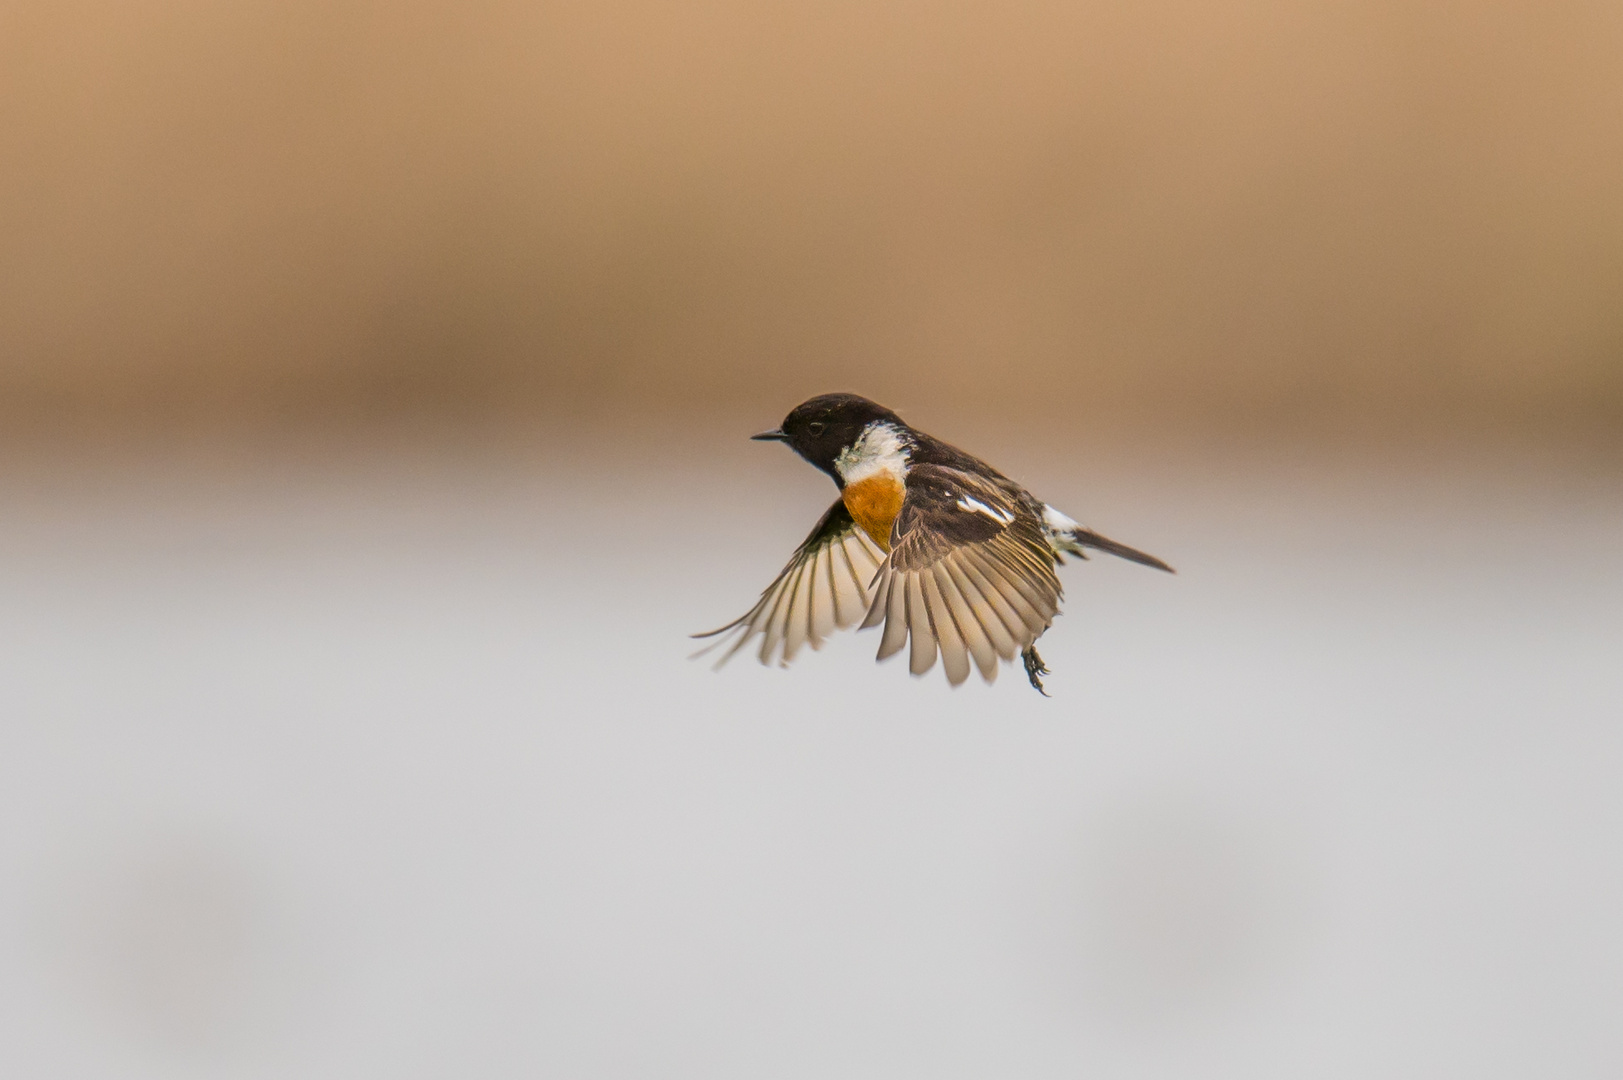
{"points": [[1272, 213], [374, 384]]}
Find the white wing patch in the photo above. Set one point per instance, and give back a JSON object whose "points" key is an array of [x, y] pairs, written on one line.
{"points": [[1002, 517]]}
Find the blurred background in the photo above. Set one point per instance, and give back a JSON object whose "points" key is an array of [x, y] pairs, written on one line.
{"points": [[373, 389]]}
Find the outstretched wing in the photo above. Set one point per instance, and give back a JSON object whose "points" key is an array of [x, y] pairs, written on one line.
{"points": [[970, 573], [826, 585]]}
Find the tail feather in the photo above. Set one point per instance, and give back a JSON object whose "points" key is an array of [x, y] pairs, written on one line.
{"points": [[1077, 540]]}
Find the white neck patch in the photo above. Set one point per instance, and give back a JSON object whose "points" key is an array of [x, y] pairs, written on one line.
{"points": [[879, 449]]}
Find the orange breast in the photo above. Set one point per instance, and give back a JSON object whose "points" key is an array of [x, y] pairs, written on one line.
{"points": [[874, 502]]}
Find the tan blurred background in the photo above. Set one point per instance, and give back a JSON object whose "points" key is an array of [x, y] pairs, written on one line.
{"points": [[1268, 216], [374, 380]]}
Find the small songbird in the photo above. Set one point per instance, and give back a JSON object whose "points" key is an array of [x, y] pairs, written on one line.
{"points": [[935, 544]]}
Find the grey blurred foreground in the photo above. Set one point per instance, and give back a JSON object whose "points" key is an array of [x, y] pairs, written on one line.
{"points": [[395, 767]]}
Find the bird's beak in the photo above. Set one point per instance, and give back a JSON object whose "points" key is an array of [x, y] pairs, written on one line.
{"points": [[775, 435]]}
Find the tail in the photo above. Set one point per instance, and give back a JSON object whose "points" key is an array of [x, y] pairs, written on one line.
{"points": [[1065, 535], [1078, 540]]}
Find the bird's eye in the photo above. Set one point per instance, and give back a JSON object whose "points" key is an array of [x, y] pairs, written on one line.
{"points": [[815, 428]]}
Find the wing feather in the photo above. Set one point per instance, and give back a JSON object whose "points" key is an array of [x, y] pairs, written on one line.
{"points": [[881, 597], [966, 622], [895, 635], [797, 624], [922, 656], [954, 656], [1012, 582], [772, 633], [970, 574], [825, 598], [825, 586], [991, 621], [1027, 622], [859, 559]]}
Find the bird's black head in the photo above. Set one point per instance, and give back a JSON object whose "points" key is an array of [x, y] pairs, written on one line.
{"points": [[822, 428]]}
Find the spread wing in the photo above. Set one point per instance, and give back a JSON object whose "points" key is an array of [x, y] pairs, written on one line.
{"points": [[970, 573], [825, 585]]}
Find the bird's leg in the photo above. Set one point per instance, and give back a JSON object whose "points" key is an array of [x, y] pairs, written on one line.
{"points": [[1034, 668]]}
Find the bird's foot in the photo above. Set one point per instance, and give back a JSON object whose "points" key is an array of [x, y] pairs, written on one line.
{"points": [[1034, 668]]}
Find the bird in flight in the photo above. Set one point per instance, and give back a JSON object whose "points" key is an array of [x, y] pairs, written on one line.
{"points": [[937, 546]]}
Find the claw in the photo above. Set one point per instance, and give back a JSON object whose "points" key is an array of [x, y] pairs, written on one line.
{"points": [[1034, 668]]}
